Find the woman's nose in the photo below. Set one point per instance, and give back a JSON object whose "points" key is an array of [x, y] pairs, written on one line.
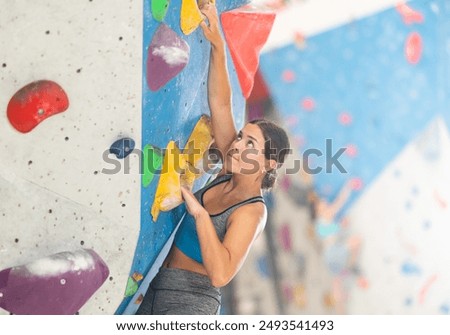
{"points": [[235, 147], [234, 150]]}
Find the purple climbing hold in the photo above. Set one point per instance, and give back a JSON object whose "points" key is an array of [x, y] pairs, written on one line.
{"points": [[167, 56], [57, 284]]}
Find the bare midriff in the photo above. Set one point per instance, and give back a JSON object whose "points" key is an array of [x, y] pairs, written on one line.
{"points": [[177, 259]]}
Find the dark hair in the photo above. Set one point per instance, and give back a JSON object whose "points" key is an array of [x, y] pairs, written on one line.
{"points": [[276, 147]]}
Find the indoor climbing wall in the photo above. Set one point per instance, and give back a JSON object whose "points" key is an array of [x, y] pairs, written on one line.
{"points": [[92, 94], [175, 69], [378, 88], [69, 89], [405, 252]]}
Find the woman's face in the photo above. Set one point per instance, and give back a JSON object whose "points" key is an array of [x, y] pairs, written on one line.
{"points": [[246, 153]]}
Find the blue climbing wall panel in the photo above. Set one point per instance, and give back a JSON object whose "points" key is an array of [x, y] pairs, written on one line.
{"points": [[170, 113], [371, 86]]}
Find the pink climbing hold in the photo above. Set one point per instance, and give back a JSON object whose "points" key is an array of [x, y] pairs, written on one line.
{"points": [[288, 76], [285, 183], [246, 33], [292, 120], [167, 56], [299, 140], [351, 150], [356, 184], [440, 200], [426, 287], [409, 15], [34, 103], [285, 238], [299, 40], [413, 48], [288, 292], [345, 118], [308, 104]]}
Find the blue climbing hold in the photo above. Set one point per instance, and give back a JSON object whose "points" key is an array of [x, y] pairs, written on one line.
{"points": [[445, 309], [122, 147], [264, 267], [409, 268]]}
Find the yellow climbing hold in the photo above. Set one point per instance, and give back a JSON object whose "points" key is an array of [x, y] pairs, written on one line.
{"points": [[190, 16], [181, 169], [194, 150], [300, 296], [168, 192]]}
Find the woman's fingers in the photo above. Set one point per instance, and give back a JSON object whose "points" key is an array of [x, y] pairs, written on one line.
{"points": [[188, 197], [192, 205], [211, 30], [185, 192], [204, 27], [210, 12]]}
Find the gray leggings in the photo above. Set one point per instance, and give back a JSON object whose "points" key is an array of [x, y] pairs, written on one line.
{"points": [[176, 291]]}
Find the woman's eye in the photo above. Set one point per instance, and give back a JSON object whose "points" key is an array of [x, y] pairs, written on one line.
{"points": [[239, 137], [250, 144]]}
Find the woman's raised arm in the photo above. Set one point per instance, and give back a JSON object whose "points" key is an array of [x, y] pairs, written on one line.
{"points": [[219, 88]]}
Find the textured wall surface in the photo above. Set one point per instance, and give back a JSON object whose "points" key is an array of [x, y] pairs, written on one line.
{"points": [[58, 189], [54, 196], [170, 113], [378, 88], [370, 86], [403, 217]]}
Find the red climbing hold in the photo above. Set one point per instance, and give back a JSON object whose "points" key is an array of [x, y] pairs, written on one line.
{"points": [[246, 33], [34, 103], [413, 48], [259, 92]]}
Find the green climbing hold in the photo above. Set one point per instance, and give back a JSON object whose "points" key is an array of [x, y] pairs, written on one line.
{"points": [[159, 9], [152, 161], [132, 287]]}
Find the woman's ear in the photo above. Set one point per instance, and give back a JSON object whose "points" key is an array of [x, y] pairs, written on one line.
{"points": [[272, 165]]}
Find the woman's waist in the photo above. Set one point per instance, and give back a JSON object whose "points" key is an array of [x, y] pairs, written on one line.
{"points": [[172, 277], [176, 259]]}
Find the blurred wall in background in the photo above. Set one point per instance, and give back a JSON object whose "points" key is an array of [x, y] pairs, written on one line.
{"points": [[377, 87]]}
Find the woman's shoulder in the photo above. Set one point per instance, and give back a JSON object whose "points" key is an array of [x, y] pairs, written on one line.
{"points": [[252, 217], [255, 211]]}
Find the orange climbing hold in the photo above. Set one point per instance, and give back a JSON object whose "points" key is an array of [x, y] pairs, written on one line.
{"points": [[245, 33], [34, 103]]}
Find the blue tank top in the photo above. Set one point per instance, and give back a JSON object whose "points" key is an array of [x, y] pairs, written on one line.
{"points": [[186, 238]]}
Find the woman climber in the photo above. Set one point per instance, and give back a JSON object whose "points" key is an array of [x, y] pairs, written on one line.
{"points": [[225, 217]]}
